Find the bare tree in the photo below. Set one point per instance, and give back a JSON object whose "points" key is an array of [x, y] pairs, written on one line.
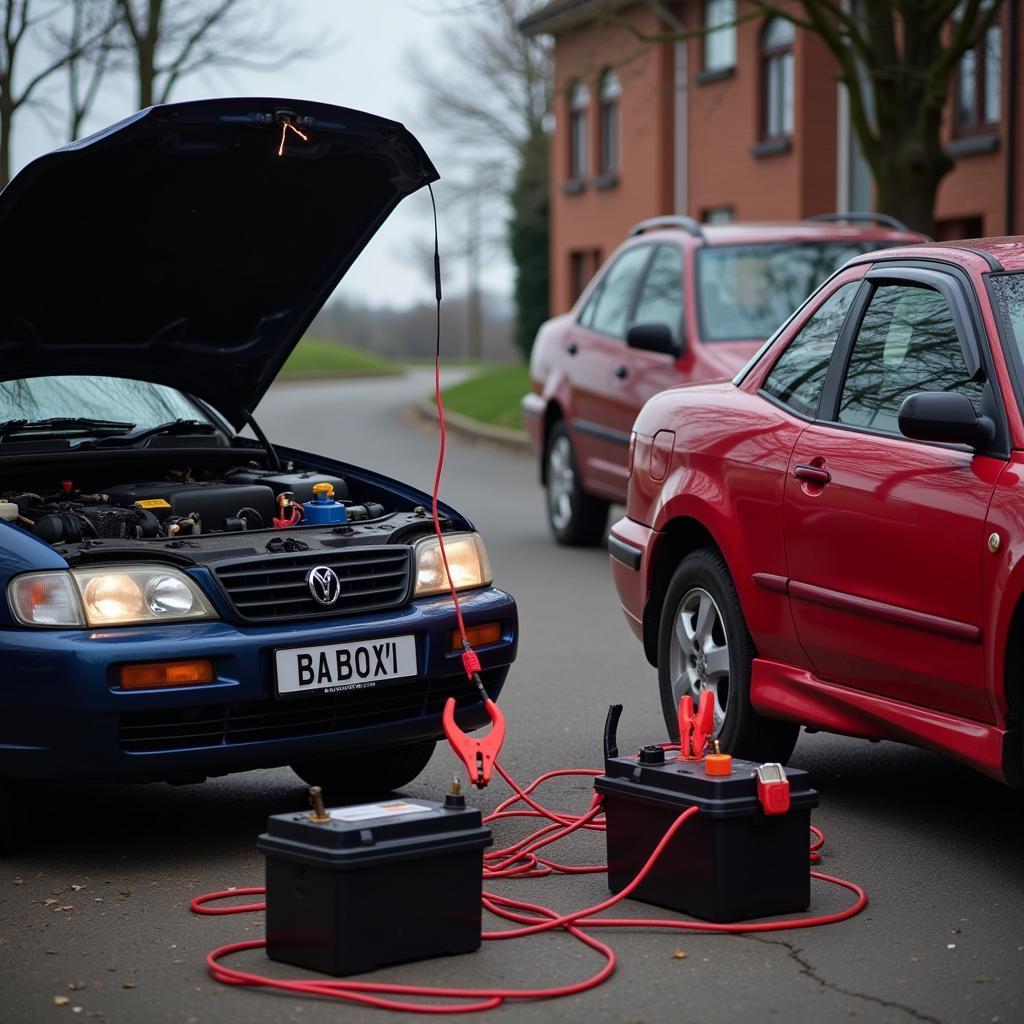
{"points": [[896, 59], [29, 21], [168, 41], [489, 104], [90, 44]]}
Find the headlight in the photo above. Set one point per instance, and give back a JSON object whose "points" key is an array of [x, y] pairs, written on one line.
{"points": [[467, 560], [108, 596]]}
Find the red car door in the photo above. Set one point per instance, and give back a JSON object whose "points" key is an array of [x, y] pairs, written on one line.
{"points": [[885, 536], [595, 350]]}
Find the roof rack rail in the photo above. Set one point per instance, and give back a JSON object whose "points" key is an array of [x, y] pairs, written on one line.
{"points": [[877, 218], [687, 224]]}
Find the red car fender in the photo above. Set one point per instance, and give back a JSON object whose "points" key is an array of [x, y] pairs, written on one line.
{"points": [[1003, 583]]}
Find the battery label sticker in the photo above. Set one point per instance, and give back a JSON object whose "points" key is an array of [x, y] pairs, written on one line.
{"points": [[364, 811]]}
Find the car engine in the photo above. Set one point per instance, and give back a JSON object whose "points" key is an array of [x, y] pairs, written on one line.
{"points": [[240, 500]]}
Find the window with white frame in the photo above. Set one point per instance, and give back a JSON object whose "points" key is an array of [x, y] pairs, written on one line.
{"points": [[719, 35], [579, 109], [777, 78], [609, 122], [978, 76]]}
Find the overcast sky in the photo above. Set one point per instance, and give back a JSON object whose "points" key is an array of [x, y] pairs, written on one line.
{"points": [[365, 70]]}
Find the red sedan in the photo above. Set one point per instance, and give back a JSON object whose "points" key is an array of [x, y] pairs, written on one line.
{"points": [[678, 302], [835, 538]]}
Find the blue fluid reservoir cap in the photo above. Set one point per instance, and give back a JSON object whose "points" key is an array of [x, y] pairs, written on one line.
{"points": [[323, 509]]}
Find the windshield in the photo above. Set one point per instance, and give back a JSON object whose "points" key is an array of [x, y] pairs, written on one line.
{"points": [[100, 398], [745, 291], [1007, 291]]}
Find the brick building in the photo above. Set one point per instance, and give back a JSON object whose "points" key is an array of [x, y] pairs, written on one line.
{"points": [[746, 123]]}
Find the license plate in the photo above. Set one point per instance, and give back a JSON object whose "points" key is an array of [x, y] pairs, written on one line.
{"points": [[336, 668]]}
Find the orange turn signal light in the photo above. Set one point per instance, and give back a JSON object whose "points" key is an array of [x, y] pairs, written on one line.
{"points": [[166, 673], [478, 636]]}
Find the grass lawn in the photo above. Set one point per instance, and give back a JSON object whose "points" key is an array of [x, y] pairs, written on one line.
{"points": [[492, 396], [315, 358]]}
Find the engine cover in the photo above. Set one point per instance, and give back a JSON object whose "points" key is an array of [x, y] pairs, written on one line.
{"points": [[215, 503]]}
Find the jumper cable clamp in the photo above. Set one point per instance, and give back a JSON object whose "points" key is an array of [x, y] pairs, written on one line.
{"points": [[695, 729], [478, 755]]}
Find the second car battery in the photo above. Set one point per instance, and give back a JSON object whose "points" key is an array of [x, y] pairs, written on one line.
{"points": [[730, 862], [364, 886]]}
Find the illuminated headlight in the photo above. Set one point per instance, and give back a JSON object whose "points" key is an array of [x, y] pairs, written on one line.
{"points": [[467, 560], [109, 596]]}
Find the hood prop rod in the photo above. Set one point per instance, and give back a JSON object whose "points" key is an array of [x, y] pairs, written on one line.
{"points": [[275, 461]]}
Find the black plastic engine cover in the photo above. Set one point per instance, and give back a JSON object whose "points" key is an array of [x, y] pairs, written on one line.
{"points": [[214, 502], [298, 483]]}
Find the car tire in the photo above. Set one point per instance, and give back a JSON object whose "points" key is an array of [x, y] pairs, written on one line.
{"points": [[577, 519], [368, 773], [704, 644]]}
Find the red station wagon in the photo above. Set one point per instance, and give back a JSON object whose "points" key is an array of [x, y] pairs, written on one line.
{"points": [[677, 302], [836, 537]]}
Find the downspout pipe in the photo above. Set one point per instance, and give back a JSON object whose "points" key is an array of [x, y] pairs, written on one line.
{"points": [[1012, 104]]}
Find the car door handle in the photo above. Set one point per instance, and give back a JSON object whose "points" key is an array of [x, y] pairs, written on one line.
{"points": [[572, 348], [622, 372], [813, 475]]}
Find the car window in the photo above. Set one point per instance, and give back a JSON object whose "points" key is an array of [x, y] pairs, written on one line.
{"points": [[144, 404], [799, 374], [745, 291], [661, 296], [608, 309], [907, 343]]}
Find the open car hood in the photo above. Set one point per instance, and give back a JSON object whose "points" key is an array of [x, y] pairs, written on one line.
{"points": [[192, 244]]}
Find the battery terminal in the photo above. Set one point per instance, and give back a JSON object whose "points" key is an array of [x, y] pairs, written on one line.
{"points": [[316, 800]]}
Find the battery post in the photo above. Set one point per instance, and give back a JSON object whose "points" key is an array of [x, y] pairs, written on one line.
{"points": [[316, 800]]}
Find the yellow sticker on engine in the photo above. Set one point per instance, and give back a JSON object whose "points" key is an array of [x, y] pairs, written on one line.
{"points": [[153, 503]]}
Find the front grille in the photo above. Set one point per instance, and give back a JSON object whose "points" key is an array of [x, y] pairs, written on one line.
{"points": [[220, 725], [271, 589]]}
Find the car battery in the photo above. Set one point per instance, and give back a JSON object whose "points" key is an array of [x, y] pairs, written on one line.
{"points": [[738, 858], [364, 886]]}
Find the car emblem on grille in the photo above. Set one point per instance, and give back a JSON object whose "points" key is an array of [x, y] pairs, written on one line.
{"points": [[323, 584]]}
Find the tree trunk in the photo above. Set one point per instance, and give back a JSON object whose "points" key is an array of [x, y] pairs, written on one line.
{"points": [[145, 44], [6, 116], [909, 198]]}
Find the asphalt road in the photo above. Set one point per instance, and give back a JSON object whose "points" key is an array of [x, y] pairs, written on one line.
{"points": [[98, 913]]}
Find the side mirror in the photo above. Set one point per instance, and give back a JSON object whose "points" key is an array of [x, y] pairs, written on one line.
{"points": [[945, 416], [652, 337]]}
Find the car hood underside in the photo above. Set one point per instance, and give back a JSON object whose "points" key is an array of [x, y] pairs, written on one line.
{"points": [[192, 244]]}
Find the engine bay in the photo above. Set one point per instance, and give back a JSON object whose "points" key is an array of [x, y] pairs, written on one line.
{"points": [[186, 507]]}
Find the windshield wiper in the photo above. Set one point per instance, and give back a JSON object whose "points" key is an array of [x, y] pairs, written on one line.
{"points": [[173, 427], [57, 424]]}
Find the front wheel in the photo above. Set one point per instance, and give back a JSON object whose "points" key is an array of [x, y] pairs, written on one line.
{"points": [[576, 518], [366, 774], [704, 645]]}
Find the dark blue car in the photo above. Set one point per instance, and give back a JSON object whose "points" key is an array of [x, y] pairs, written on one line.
{"points": [[178, 601]]}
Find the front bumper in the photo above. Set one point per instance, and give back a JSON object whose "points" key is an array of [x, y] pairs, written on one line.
{"points": [[630, 545], [64, 715]]}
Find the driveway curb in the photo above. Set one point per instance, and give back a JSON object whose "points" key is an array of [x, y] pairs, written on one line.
{"points": [[515, 440]]}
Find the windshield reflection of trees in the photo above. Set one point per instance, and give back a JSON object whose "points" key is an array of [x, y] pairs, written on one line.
{"points": [[907, 343], [747, 291], [112, 398]]}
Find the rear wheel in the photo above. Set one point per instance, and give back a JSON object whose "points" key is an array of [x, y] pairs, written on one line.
{"points": [[366, 774], [704, 645], [576, 518]]}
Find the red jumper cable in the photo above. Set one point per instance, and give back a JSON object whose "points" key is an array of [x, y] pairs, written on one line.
{"points": [[521, 859]]}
